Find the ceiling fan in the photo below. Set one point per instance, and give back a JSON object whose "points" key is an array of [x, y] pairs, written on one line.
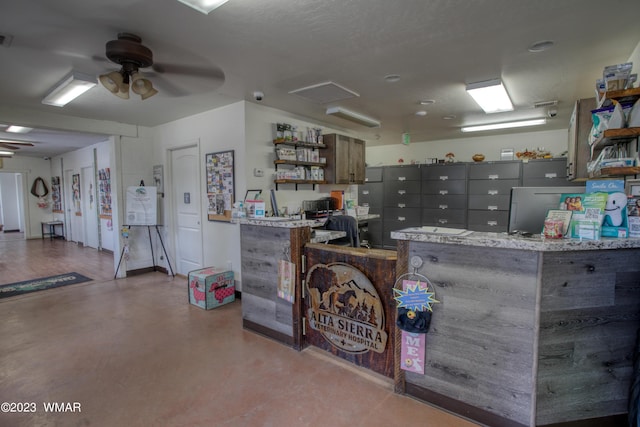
{"points": [[129, 52], [11, 145]]}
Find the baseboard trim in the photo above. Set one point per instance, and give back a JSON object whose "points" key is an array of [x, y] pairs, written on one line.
{"points": [[267, 332], [145, 270], [488, 418], [620, 420], [459, 408]]}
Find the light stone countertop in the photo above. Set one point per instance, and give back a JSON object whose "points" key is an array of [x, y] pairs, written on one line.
{"points": [[280, 222], [503, 240], [283, 222]]}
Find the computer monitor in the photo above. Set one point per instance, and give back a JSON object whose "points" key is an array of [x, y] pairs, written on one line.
{"points": [[529, 206]]}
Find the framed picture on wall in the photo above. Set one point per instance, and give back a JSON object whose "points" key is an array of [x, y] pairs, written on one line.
{"points": [[220, 185], [75, 188]]}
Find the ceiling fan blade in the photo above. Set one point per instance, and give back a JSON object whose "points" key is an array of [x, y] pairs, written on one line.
{"points": [[9, 146], [16, 142], [211, 72]]}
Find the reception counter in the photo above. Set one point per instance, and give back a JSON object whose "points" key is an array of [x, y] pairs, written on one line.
{"points": [[345, 305], [527, 331]]}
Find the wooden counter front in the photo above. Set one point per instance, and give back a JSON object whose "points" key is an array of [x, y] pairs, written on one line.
{"points": [[342, 314], [528, 333]]}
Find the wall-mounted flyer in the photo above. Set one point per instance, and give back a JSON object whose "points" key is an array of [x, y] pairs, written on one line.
{"points": [[141, 206]]}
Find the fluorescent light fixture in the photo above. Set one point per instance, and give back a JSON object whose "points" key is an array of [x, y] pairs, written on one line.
{"points": [[69, 88], [204, 6], [6, 153], [19, 129], [491, 96], [505, 125], [354, 117]]}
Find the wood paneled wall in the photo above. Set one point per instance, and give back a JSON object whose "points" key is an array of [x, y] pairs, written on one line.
{"points": [[262, 310], [589, 319], [480, 348]]}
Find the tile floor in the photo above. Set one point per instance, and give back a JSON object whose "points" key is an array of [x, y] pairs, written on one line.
{"points": [[133, 352]]}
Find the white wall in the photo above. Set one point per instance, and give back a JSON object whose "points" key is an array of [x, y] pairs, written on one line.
{"points": [[555, 141], [260, 125], [31, 168], [221, 129], [9, 194], [104, 160]]}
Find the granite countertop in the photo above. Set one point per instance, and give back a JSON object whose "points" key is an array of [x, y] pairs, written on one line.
{"points": [[280, 222], [504, 240], [283, 222]]}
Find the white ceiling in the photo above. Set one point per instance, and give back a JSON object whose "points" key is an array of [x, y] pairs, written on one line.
{"points": [[275, 46]]}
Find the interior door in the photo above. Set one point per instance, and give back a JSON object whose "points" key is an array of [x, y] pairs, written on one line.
{"points": [[89, 209], [187, 213]]}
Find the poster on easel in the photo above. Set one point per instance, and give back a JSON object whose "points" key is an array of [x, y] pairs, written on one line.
{"points": [[220, 185], [141, 204]]}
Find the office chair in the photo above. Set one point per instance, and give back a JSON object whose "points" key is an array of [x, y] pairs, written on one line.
{"points": [[344, 223]]}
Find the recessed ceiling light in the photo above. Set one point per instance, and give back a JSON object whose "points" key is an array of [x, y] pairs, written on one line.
{"points": [[449, 117], [392, 78], [421, 113], [541, 46], [491, 96], [19, 129], [427, 102]]}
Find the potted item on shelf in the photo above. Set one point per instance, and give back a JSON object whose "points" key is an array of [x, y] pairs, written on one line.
{"points": [[478, 157]]}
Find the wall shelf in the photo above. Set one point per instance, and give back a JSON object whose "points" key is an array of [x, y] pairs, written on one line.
{"points": [[297, 163], [617, 171], [299, 144], [298, 181], [615, 136]]}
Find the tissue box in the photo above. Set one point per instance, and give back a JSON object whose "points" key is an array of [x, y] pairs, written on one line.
{"points": [[211, 287]]}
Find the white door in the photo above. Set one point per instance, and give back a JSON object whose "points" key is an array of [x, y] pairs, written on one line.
{"points": [[89, 208], [186, 199]]}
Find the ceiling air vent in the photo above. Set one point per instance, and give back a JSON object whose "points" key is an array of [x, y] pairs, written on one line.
{"points": [[542, 104], [324, 93]]}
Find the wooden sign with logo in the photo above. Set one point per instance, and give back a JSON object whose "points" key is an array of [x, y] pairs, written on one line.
{"points": [[348, 304]]}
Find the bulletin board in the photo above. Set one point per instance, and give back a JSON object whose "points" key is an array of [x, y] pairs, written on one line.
{"points": [[75, 187], [56, 195], [220, 185]]}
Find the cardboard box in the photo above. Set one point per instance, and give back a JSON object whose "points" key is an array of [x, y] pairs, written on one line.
{"points": [[211, 287]]}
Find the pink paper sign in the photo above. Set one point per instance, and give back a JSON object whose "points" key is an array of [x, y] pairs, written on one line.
{"points": [[413, 345]]}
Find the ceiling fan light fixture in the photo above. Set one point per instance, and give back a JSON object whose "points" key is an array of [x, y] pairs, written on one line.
{"points": [[123, 91], [142, 86], [491, 96], [111, 81], [204, 6], [69, 88]]}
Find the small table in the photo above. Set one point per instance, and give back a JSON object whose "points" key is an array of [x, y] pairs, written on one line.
{"points": [[49, 229]]}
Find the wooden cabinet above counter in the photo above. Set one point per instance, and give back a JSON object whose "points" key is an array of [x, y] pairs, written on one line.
{"points": [[345, 159]]}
